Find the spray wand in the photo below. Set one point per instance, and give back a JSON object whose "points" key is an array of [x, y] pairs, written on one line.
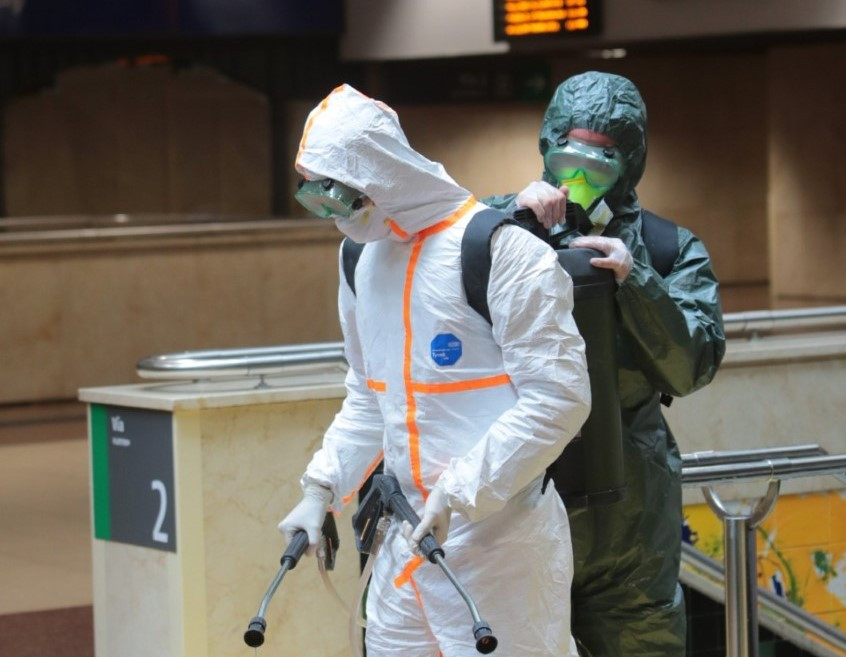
{"points": [[254, 636]]}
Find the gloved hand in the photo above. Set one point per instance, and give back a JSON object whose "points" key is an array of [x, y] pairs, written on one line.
{"points": [[547, 202], [435, 519], [308, 515], [618, 258]]}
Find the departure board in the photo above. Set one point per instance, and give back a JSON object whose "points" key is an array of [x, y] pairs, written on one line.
{"points": [[525, 19]]}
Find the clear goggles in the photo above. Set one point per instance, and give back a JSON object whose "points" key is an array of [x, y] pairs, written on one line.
{"points": [[602, 165], [329, 198]]}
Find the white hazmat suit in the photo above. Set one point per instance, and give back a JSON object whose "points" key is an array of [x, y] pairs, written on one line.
{"points": [[444, 397]]}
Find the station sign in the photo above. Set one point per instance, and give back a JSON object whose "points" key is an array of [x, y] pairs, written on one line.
{"points": [[132, 476]]}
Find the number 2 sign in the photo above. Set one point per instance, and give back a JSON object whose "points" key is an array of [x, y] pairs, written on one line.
{"points": [[132, 466]]}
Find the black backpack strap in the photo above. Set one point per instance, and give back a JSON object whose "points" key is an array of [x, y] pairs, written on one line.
{"points": [[476, 257], [661, 237], [350, 253]]}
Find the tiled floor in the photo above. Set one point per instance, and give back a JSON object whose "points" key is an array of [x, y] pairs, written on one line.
{"points": [[45, 538]]}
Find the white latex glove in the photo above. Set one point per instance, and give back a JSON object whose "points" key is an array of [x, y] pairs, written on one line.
{"points": [[547, 202], [308, 515], [435, 519], [617, 256]]}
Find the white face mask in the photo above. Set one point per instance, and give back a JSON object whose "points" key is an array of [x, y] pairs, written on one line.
{"points": [[600, 216], [367, 224]]}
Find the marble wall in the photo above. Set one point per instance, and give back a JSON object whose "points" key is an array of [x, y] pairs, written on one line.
{"points": [[252, 464], [806, 192], [83, 313], [116, 138]]}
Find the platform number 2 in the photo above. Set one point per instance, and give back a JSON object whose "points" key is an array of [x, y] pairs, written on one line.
{"points": [[158, 535]]}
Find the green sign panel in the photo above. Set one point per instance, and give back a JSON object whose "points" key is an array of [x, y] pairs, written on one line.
{"points": [[132, 472]]}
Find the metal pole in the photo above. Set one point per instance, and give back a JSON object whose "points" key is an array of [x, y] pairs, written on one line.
{"points": [[751, 586], [741, 573], [737, 601]]}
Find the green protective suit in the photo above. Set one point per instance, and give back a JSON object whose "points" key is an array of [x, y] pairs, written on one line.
{"points": [[626, 596]]}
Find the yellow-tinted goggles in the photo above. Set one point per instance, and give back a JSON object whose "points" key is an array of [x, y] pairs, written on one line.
{"points": [[602, 166]]}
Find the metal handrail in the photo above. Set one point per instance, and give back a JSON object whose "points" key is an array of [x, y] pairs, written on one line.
{"points": [[255, 361], [123, 226], [711, 457], [275, 359], [695, 465], [739, 527], [775, 468], [755, 322]]}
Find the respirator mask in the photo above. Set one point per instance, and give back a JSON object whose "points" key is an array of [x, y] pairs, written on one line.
{"points": [[354, 214], [588, 171]]}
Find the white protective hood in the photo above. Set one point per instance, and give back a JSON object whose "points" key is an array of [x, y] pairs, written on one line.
{"points": [[358, 141]]}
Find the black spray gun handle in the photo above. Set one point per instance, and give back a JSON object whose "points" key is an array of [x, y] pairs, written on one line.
{"points": [[396, 502], [296, 548]]}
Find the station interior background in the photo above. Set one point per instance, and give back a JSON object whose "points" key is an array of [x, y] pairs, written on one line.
{"points": [[124, 125]]}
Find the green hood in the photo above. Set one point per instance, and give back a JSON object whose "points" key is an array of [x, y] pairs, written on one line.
{"points": [[608, 104]]}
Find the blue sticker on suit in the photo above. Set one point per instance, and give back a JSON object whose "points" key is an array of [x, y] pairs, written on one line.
{"points": [[446, 349]]}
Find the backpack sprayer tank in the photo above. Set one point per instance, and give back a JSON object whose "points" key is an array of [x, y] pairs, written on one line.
{"points": [[590, 469]]}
